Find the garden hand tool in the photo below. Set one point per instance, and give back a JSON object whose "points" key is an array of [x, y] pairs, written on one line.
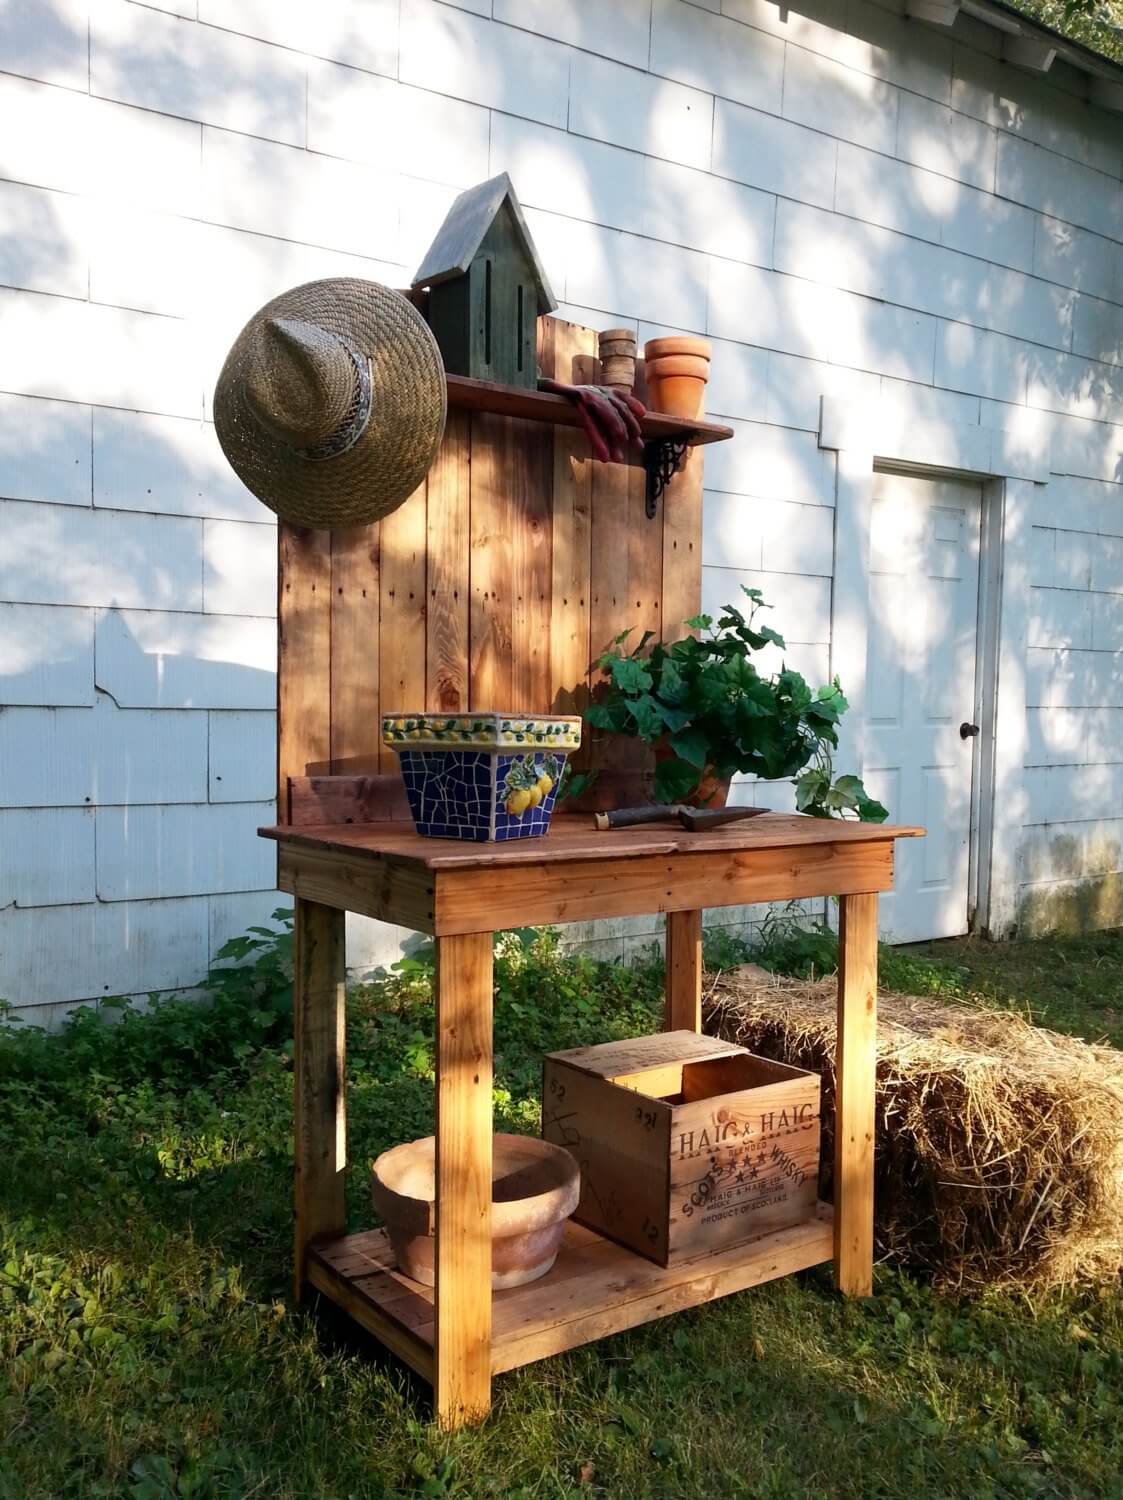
{"points": [[694, 819]]}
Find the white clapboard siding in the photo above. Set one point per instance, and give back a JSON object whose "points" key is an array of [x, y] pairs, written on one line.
{"points": [[718, 54], [987, 88], [1079, 849], [45, 245], [1057, 736], [171, 466], [60, 554], [1059, 794], [239, 568], [183, 851], [138, 56], [68, 953], [361, 117], [114, 356], [44, 450], [1081, 195], [1059, 678], [363, 33], [628, 108], [771, 534], [46, 655], [61, 757], [290, 193], [621, 31], [570, 174], [158, 659], [54, 138], [46, 856], [47, 42], [773, 463], [234, 914], [451, 52], [243, 756], [800, 607]]}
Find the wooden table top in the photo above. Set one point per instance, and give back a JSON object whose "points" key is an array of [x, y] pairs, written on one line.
{"points": [[576, 838]]}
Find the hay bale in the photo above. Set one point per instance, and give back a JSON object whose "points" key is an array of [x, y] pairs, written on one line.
{"points": [[999, 1144]]}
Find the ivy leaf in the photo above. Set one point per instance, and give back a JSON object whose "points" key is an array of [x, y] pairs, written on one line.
{"points": [[648, 715], [691, 745], [699, 622], [675, 780], [629, 675], [673, 687], [601, 716]]}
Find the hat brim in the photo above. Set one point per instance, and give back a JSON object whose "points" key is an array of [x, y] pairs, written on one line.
{"points": [[408, 406]]}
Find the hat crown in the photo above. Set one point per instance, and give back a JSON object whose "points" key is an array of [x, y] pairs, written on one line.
{"points": [[301, 382]]}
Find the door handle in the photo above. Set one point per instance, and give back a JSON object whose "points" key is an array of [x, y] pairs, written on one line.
{"points": [[968, 731]]}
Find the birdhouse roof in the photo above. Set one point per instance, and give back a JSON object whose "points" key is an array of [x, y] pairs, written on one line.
{"points": [[463, 230]]}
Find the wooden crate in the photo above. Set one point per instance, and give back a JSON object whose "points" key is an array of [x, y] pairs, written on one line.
{"points": [[686, 1144]]}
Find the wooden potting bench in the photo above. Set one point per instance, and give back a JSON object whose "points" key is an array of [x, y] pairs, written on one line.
{"points": [[493, 587]]}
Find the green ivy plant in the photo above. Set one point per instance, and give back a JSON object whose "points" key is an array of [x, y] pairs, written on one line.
{"points": [[704, 699]]}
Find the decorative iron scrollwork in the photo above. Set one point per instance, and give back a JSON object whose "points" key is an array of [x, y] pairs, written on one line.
{"points": [[662, 459]]}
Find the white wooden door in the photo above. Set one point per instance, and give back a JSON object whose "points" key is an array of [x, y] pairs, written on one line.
{"points": [[920, 688]]}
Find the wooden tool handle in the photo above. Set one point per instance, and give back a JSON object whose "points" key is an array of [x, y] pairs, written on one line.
{"points": [[627, 817], [699, 819]]}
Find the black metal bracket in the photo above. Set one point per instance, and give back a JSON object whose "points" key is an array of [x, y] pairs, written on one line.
{"points": [[662, 459]]}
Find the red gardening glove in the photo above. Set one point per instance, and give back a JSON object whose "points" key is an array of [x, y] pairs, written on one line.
{"points": [[610, 417]]}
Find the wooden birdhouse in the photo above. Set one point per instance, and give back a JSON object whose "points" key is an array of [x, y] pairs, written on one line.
{"points": [[487, 287]]}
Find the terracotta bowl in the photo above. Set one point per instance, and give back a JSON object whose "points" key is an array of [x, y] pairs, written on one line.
{"points": [[682, 343], [534, 1189]]}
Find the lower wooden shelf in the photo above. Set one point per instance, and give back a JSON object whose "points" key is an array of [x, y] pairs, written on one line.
{"points": [[596, 1288]]}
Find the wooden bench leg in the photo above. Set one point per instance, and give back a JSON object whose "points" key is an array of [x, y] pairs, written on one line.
{"points": [[319, 1100], [856, 1086], [462, 1382], [683, 1009]]}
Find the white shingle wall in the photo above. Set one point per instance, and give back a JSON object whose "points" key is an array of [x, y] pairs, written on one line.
{"points": [[878, 211]]}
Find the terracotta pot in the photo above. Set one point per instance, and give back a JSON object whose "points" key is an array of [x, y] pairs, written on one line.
{"points": [[679, 364], [712, 791], [681, 343], [676, 369], [534, 1189]]}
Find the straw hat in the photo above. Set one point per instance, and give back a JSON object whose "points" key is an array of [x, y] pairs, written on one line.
{"points": [[331, 403]]}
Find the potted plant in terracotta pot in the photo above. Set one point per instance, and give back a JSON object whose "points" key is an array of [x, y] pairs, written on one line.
{"points": [[709, 714]]}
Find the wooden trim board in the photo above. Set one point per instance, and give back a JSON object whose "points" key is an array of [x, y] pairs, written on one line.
{"points": [[447, 902], [596, 1288]]}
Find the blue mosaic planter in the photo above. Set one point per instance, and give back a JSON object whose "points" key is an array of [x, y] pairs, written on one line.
{"points": [[481, 776]]}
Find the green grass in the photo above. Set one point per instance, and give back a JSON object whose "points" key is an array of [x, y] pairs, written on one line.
{"points": [[148, 1349]]}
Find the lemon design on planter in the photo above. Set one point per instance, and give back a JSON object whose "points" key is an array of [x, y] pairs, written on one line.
{"points": [[527, 783]]}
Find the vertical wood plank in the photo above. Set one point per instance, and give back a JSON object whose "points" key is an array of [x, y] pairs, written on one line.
{"points": [[447, 581], [303, 657], [683, 1007], [681, 505], [856, 1084], [530, 507], [644, 602], [401, 631], [319, 1057], [462, 1388], [355, 728], [491, 615]]}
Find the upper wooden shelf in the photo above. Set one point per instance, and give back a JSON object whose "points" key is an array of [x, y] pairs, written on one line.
{"points": [[543, 406]]}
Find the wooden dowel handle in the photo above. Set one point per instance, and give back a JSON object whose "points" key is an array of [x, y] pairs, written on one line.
{"points": [[627, 817]]}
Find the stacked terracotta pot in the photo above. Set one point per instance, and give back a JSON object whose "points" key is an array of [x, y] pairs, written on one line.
{"points": [[677, 370]]}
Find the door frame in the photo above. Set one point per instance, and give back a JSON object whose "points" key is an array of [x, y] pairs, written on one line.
{"points": [[1010, 470]]}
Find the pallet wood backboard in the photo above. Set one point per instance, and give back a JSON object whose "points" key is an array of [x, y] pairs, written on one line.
{"points": [[494, 586]]}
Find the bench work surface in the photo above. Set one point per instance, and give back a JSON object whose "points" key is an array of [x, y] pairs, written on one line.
{"points": [[575, 838]]}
